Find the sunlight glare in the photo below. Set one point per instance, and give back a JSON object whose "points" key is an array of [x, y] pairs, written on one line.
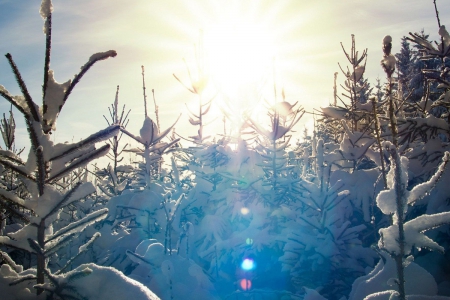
{"points": [[239, 59], [239, 54]]}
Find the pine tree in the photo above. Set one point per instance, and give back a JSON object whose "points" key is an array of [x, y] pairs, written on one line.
{"points": [[405, 67], [354, 85], [113, 179], [418, 84], [47, 163], [272, 147]]}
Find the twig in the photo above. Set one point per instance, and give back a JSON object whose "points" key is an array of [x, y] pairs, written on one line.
{"points": [[145, 96]]}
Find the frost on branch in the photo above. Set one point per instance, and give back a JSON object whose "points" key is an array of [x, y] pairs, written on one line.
{"points": [[422, 189], [46, 11], [414, 233], [99, 56], [19, 101], [386, 199], [443, 48]]}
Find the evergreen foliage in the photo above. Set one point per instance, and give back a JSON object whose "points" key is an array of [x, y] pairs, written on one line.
{"points": [[357, 209]]}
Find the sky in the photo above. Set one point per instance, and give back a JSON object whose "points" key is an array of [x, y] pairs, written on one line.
{"points": [[254, 45]]}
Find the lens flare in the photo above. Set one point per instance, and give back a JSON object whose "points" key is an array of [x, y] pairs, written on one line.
{"points": [[249, 241], [246, 284], [245, 210], [248, 264]]}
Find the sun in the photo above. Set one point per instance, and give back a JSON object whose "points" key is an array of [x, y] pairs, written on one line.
{"points": [[243, 58], [239, 53]]}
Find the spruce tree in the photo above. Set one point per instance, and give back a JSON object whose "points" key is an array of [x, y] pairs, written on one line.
{"points": [[405, 66]]}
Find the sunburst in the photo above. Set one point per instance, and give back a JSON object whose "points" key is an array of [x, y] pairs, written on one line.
{"points": [[244, 49]]}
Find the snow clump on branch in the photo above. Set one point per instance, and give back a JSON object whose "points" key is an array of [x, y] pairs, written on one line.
{"points": [[388, 62]]}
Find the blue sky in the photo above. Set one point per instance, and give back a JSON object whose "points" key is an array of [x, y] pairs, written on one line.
{"points": [[159, 34]]}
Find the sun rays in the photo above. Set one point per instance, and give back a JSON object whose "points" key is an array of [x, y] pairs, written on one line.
{"points": [[238, 51]]}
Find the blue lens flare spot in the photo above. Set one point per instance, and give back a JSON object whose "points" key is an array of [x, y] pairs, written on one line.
{"points": [[249, 241], [246, 284], [248, 264]]}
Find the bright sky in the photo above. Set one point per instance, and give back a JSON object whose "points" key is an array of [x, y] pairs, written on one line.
{"points": [[295, 42]]}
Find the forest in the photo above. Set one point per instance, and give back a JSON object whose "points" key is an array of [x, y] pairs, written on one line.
{"points": [[359, 208]]}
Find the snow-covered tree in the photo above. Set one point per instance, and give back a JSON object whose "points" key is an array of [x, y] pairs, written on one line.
{"points": [[402, 235], [46, 164], [114, 178]]}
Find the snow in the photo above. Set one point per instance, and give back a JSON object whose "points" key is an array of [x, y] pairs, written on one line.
{"points": [[106, 283], [386, 199], [19, 238], [46, 8], [431, 121], [357, 75], [4, 90], [15, 292], [283, 108], [385, 295], [269, 213], [7, 259], [100, 56], [175, 277], [45, 11], [149, 131], [18, 100], [389, 62], [312, 295], [422, 189], [387, 40], [335, 112], [153, 252], [442, 49], [84, 247], [63, 153], [353, 146], [146, 201], [51, 198], [53, 101], [11, 197], [418, 280], [414, 233], [84, 190], [446, 37], [422, 297], [81, 224], [361, 185]]}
